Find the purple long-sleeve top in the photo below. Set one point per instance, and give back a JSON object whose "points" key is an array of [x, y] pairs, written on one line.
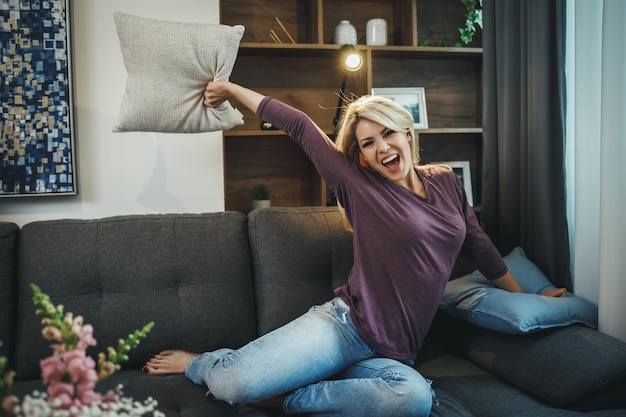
{"points": [[404, 245]]}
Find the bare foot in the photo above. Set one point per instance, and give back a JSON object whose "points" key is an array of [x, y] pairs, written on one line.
{"points": [[168, 362]]}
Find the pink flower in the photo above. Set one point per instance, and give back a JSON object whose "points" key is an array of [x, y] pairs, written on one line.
{"points": [[81, 369], [87, 396], [78, 364], [52, 369], [61, 393], [71, 377], [85, 337]]}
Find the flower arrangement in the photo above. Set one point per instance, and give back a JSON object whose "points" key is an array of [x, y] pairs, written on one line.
{"points": [[71, 375]]}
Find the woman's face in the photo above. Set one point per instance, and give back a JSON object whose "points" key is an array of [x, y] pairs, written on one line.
{"points": [[386, 151]]}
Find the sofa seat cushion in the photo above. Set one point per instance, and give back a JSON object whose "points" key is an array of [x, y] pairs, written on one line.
{"points": [[189, 273], [574, 366], [176, 394], [489, 396], [449, 406], [608, 413]]}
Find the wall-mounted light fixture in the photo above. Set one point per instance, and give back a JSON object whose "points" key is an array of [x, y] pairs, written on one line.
{"points": [[352, 61]]}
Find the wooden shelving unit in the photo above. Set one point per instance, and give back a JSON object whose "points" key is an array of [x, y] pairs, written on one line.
{"points": [[308, 75]]}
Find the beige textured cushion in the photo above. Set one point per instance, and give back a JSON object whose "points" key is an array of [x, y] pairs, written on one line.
{"points": [[169, 65]]}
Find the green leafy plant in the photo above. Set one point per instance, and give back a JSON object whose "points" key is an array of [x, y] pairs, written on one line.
{"points": [[260, 192], [110, 364], [433, 42], [473, 19]]}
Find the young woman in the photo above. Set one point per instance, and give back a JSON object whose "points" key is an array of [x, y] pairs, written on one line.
{"points": [[353, 355]]}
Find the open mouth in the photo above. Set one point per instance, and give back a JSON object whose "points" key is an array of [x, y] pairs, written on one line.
{"points": [[391, 162]]}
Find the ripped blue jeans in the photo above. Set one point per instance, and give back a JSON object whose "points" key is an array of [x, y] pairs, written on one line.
{"points": [[323, 364]]}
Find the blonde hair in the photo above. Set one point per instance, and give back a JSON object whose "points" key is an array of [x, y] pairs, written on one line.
{"points": [[381, 110], [377, 109]]}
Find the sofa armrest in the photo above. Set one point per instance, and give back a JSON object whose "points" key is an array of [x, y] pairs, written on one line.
{"points": [[573, 367], [9, 233]]}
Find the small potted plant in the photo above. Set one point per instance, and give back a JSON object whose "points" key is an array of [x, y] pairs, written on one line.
{"points": [[260, 196]]}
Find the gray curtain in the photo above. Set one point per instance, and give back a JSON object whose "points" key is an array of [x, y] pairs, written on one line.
{"points": [[523, 201]]}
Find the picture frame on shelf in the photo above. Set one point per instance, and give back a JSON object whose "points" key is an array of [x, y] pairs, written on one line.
{"points": [[36, 106], [411, 98], [462, 170]]}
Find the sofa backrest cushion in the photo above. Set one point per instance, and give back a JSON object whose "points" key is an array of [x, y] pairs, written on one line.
{"points": [[299, 256], [189, 273], [9, 233]]}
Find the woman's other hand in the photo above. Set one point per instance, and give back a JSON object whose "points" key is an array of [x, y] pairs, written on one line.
{"points": [[554, 292], [509, 283]]}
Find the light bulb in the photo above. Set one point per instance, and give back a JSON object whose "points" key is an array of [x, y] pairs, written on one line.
{"points": [[353, 61]]}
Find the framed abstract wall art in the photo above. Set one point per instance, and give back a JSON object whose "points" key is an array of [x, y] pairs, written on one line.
{"points": [[37, 154]]}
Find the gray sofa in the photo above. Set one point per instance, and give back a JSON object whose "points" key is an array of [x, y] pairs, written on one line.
{"points": [[221, 279]]}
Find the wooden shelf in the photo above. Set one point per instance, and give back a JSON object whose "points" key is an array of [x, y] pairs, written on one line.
{"points": [[456, 131], [254, 133], [302, 48], [307, 75], [441, 131]]}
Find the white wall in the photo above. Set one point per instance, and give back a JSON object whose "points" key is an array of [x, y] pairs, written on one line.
{"points": [[126, 173]]}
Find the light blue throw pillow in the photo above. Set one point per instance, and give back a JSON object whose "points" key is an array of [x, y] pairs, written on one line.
{"points": [[475, 299]]}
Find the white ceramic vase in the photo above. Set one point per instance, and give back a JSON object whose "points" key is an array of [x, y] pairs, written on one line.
{"points": [[376, 32], [345, 33]]}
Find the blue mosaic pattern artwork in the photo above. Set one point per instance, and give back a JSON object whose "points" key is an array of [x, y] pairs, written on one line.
{"points": [[36, 152]]}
